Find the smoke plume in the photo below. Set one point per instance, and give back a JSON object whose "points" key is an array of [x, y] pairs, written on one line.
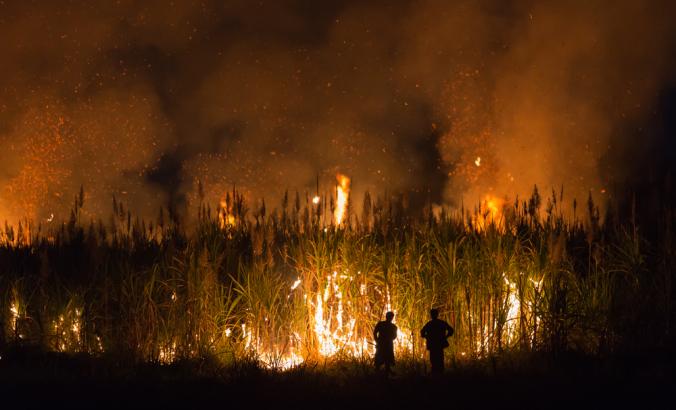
{"points": [[444, 101]]}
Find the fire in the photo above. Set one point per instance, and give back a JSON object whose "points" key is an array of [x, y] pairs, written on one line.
{"points": [[333, 333], [225, 216], [67, 331], [334, 324], [342, 195], [513, 309], [295, 284], [315, 199], [14, 310], [284, 362], [167, 353], [494, 207], [489, 212]]}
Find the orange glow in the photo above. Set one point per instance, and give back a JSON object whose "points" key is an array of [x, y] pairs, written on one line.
{"points": [[225, 216], [342, 195], [490, 212]]}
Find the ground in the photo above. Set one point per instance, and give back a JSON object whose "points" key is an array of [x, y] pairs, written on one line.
{"points": [[34, 379]]}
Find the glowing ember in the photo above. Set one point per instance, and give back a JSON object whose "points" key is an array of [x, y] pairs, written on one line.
{"points": [[315, 199], [477, 161], [342, 195]]}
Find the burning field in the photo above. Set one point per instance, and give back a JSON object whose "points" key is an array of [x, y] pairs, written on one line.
{"points": [[257, 183], [303, 284]]}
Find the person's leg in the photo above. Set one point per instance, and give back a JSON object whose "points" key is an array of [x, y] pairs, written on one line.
{"points": [[389, 361], [437, 360], [433, 361], [441, 361]]}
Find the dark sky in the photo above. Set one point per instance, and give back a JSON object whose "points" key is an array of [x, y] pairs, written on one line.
{"points": [[143, 99]]}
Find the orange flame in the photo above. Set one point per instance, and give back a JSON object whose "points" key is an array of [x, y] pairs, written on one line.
{"points": [[225, 216], [489, 212], [342, 194]]}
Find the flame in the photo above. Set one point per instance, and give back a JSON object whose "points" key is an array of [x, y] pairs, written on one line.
{"points": [[494, 206], [225, 216], [167, 353], [331, 329], [67, 331], [342, 194], [14, 310], [295, 284], [334, 324], [281, 362], [315, 199], [513, 309], [335, 327], [489, 212]]}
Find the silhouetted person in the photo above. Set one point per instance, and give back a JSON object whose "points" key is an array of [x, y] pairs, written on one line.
{"points": [[436, 331], [384, 333]]}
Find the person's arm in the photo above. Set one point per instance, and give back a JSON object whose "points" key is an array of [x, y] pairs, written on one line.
{"points": [[449, 330], [423, 332], [394, 336], [375, 333]]}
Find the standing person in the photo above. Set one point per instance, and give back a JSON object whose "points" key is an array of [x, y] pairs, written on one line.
{"points": [[384, 334], [436, 331]]}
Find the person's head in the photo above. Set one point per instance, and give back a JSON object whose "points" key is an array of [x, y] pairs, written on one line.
{"points": [[434, 313], [389, 316]]}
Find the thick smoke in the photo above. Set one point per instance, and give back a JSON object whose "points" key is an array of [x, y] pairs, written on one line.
{"points": [[143, 100]]}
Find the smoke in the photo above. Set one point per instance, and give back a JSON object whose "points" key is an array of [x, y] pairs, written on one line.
{"points": [[145, 100], [542, 92]]}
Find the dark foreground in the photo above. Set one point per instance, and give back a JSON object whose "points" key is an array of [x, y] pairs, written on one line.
{"points": [[31, 379]]}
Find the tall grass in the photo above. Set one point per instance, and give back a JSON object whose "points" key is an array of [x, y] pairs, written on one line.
{"points": [[284, 284]]}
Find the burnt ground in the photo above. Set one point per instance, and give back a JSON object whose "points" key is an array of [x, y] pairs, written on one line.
{"points": [[33, 379]]}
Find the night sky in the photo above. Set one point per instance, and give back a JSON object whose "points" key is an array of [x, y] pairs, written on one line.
{"points": [[142, 100]]}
